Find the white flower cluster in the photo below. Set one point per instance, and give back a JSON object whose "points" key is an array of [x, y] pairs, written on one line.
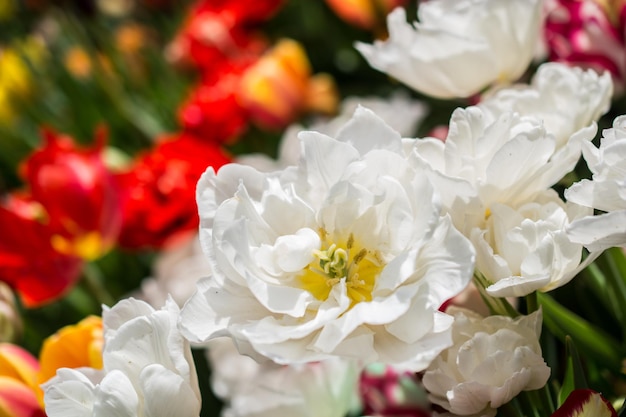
{"points": [[148, 369], [491, 361], [458, 47], [347, 249]]}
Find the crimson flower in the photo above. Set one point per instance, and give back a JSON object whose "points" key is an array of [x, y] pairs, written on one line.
{"points": [[28, 262], [216, 32], [243, 12], [78, 193], [589, 34], [159, 191], [212, 110]]}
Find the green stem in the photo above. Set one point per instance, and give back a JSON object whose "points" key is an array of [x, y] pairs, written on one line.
{"points": [[526, 401], [498, 306], [617, 276], [531, 302], [608, 274], [92, 278], [542, 400], [510, 409]]}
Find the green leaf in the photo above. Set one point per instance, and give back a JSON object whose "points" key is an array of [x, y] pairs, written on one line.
{"points": [[592, 342], [574, 374]]}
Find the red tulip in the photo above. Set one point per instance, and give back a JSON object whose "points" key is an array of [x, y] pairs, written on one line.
{"points": [[212, 112], [217, 32], [242, 12], [78, 193], [159, 191], [28, 262]]}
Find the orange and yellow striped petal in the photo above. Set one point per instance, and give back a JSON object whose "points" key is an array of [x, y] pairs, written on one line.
{"points": [[18, 399], [19, 364]]}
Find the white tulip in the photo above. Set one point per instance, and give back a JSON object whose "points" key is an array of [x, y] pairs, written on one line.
{"points": [[345, 255], [508, 160], [458, 47], [606, 191], [566, 99], [492, 360], [148, 369], [525, 249]]}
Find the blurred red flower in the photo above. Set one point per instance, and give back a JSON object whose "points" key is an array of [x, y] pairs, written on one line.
{"points": [[216, 32], [78, 192], [242, 12], [589, 34], [159, 191], [28, 262], [386, 392], [212, 111]]}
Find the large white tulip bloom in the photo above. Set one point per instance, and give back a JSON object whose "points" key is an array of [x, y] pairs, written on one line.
{"points": [[492, 360], [148, 370], [606, 191], [458, 47], [566, 99], [525, 249], [345, 255], [251, 389], [508, 160]]}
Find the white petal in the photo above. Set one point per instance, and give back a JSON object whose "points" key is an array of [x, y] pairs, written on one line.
{"points": [[116, 397], [69, 394], [166, 394], [600, 232], [366, 131], [516, 286]]}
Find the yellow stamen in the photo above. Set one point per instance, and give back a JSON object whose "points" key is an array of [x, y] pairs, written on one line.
{"points": [[358, 267]]}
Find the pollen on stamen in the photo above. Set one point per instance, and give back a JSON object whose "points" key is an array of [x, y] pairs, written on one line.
{"points": [[359, 256], [345, 262]]}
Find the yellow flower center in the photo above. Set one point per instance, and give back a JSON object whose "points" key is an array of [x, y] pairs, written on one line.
{"points": [[346, 261]]}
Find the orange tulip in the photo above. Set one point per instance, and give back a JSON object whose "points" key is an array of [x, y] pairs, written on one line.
{"points": [[279, 87], [73, 346], [364, 14]]}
